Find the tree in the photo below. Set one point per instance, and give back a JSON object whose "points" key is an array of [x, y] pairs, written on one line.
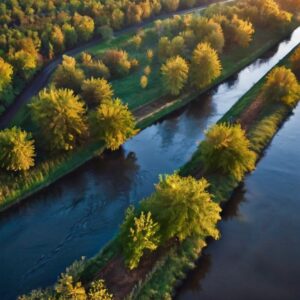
{"points": [[226, 149], [113, 123], [96, 91], [67, 290], [175, 74], [183, 208], [205, 65], [282, 86], [117, 61], [6, 73], [147, 70], [144, 81], [170, 5], [17, 150], [137, 235], [60, 116], [295, 62], [24, 63], [70, 35], [68, 76], [84, 27], [149, 55], [98, 291], [57, 39]]}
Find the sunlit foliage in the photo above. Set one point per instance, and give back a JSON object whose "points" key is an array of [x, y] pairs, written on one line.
{"points": [[60, 117], [113, 123], [175, 74], [226, 149], [282, 86], [16, 150]]}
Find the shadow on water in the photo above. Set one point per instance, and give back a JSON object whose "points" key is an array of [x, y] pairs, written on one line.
{"points": [[80, 213]]}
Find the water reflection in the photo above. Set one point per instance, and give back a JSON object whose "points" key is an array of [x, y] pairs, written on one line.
{"points": [[258, 254], [79, 214]]}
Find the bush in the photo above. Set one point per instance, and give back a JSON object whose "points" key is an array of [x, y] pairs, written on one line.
{"points": [[175, 74], [282, 86], [113, 123], [226, 149], [137, 235], [60, 117], [183, 207], [295, 62], [96, 91], [205, 66], [117, 61], [17, 150]]}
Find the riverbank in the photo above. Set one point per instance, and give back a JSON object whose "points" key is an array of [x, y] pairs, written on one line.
{"points": [[50, 171], [171, 266]]}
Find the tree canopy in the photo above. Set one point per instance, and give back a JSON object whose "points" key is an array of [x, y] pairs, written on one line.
{"points": [[183, 207], [6, 73], [17, 150], [60, 117], [205, 59], [175, 74], [226, 149], [282, 86], [114, 123]]}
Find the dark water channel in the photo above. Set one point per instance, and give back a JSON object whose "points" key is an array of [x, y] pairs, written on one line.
{"points": [[258, 255], [79, 214]]}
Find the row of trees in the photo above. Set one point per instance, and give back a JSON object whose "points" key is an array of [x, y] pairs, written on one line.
{"points": [[34, 31]]}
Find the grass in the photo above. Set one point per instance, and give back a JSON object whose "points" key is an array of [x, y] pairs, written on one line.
{"points": [[171, 269], [15, 188]]}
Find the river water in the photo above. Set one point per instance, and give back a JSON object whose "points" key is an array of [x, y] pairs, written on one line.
{"points": [[79, 214], [258, 254]]}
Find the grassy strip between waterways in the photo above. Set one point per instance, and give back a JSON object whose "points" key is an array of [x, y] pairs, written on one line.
{"points": [[50, 170], [171, 269]]}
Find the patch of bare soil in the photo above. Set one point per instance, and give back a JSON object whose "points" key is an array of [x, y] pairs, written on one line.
{"points": [[120, 281], [249, 116]]}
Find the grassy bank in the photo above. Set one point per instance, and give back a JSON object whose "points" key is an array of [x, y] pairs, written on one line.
{"points": [[14, 188], [172, 267]]}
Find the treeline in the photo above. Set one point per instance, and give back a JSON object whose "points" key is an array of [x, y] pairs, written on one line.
{"points": [[183, 207], [33, 32], [79, 106]]}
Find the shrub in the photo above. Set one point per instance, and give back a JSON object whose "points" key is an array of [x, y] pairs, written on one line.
{"points": [[175, 74], [138, 234], [226, 149], [96, 91], [205, 66], [113, 123], [144, 81], [98, 291], [60, 117], [282, 86], [183, 207], [17, 150]]}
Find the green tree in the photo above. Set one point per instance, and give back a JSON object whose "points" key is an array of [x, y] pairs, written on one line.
{"points": [[183, 207], [137, 235], [17, 150], [205, 66], [295, 62], [24, 63], [68, 76], [226, 149], [113, 123], [282, 86], [84, 26], [98, 291], [70, 35], [6, 73], [175, 74], [96, 91], [67, 290], [60, 116]]}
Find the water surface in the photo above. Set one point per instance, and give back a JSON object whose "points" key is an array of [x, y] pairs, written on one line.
{"points": [[258, 254], [79, 214]]}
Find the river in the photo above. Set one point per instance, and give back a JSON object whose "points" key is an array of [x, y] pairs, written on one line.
{"points": [[258, 254], [77, 215]]}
